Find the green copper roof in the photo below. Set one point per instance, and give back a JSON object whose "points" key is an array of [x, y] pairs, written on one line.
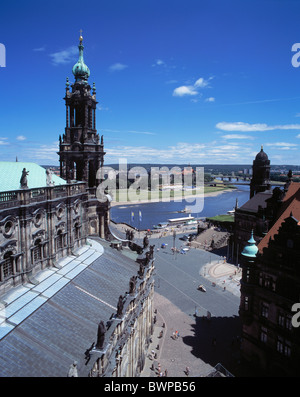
{"points": [[80, 69], [11, 172], [251, 249]]}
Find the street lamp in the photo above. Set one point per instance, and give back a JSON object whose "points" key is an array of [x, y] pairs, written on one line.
{"points": [[174, 237]]}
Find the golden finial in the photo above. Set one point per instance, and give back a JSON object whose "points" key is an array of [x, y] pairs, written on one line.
{"points": [[80, 37]]}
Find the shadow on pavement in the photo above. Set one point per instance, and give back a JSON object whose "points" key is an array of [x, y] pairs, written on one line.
{"points": [[217, 340]]}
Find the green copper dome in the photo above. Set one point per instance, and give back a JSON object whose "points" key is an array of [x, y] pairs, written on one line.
{"points": [[251, 249], [80, 69]]}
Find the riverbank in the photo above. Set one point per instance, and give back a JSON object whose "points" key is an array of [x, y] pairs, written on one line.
{"points": [[185, 196]]}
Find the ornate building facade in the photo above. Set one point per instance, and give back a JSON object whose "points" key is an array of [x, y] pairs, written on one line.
{"points": [[92, 305], [40, 225], [270, 286]]}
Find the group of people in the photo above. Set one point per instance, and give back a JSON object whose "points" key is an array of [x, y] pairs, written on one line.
{"points": [[159, 371], [175, 335]]}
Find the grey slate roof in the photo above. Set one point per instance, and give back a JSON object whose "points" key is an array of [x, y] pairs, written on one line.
{"points": [[259, 199], [58, 333]]}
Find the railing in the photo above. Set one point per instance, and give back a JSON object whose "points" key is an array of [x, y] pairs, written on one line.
{"points": [[19, 197], [8, 196]]}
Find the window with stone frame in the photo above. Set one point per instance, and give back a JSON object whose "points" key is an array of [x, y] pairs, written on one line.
{"points": [[7, 265], [266, 281], [283, 346], [285, 320], [263, 335], [37, 251], [77, 231], [59, 240], [264, 309]]}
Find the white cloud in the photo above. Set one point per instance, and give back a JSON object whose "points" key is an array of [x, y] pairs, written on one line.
{"points": [[43, 152], [185, 90], [246, 127], [281, 144], [237, 136], [159, 62], [117, 67], [21, 138], [182, 152], [298, 136], [40, 49], [191, 89], [4, 141], [210, 99], [142, 132], [64, 56], [201, 83], [129, 131], [102, 108]]}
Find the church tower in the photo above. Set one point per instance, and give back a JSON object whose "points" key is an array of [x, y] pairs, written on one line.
{"points": [[260, 181], [81, 151]]}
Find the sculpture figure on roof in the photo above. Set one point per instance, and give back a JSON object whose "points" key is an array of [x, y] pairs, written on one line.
{"points": [[23, 180], [49, 173], [145, 242], [141, 271], [151, 251], [73, 371], [101, 335], [132, 285], [120, 306]]}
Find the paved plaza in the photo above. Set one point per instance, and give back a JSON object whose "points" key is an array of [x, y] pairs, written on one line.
{"points": [[202, 342]]}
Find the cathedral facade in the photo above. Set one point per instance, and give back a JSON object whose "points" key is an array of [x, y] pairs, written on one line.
{"points": [[41, 224], [59, 272]]}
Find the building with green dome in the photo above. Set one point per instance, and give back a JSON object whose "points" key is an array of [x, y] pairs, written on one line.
{"points": [[70, 304], [43, 216]]}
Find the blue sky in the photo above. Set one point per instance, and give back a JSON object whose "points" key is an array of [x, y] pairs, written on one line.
{"points": [[198, 81]]}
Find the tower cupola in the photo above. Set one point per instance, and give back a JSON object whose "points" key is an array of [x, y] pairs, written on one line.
{"points": [[250, 249], [80, 70]]}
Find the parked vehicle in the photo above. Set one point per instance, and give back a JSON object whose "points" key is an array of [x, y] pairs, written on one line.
{"points": [[184, 238], [201, 288]]}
